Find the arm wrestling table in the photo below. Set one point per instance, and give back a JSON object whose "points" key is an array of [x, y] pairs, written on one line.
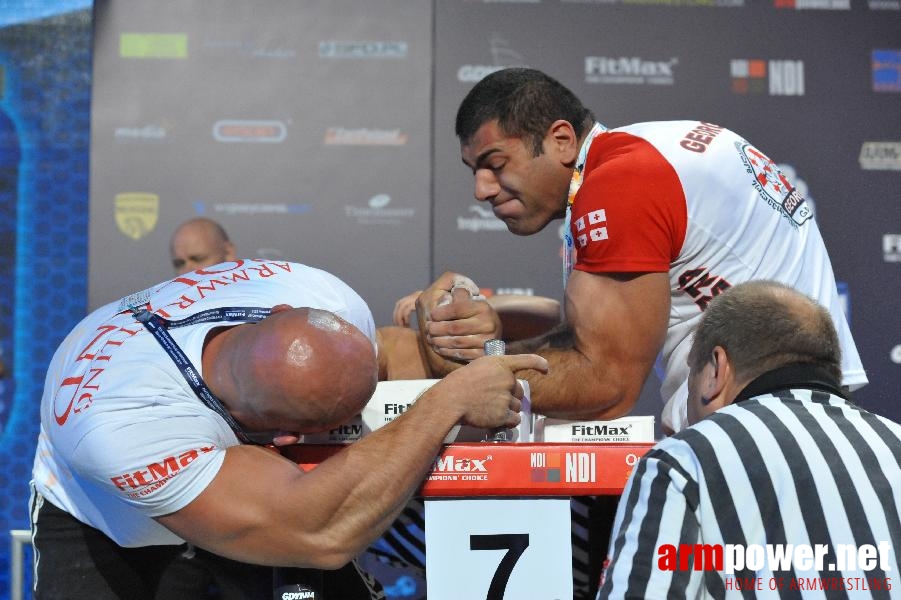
{"points": [[498, 515]]}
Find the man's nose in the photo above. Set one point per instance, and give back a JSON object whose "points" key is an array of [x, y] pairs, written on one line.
{"points": [[486, 185]]}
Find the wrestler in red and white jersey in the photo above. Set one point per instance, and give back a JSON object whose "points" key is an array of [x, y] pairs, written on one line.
{"points": [[699, 202], [123, 437]]}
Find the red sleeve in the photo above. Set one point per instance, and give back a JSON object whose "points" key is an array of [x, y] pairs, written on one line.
{"points": [[630, 213]]}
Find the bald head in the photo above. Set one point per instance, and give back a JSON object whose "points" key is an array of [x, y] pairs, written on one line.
{"points": [[301, 370], [199, 243]]}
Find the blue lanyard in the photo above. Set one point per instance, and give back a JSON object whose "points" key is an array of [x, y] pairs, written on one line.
{"points": [[158, 327]]}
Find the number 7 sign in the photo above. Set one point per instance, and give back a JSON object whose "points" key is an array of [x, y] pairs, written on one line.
{"points": [[496, 548]]}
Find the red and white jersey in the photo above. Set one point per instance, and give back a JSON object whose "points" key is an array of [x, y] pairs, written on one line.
{"points": [[123, 437], [701, 203]]}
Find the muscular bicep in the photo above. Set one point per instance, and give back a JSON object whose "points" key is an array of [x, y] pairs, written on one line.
{"points": [[618, 323], [600, 306]]}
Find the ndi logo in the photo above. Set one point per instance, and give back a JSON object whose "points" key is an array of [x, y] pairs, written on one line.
{"points": [[775, 77]]}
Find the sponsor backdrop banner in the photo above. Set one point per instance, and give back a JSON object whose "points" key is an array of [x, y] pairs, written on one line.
{"points": [[303, 128], [323, 132]]}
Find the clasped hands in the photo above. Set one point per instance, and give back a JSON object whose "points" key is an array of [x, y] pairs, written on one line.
{"points": [[455, 321]]}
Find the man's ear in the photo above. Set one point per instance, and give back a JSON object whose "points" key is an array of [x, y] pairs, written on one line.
{"points": [[720, 374], [564, 141]]}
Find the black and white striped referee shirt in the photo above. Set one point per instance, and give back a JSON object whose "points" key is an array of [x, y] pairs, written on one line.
{"points": [[794, 493]]}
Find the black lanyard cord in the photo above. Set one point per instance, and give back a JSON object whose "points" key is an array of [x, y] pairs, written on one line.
{"points": [[158, 327]]}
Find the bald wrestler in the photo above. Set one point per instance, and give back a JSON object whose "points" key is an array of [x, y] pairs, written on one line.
{"points": [[155, 409]]}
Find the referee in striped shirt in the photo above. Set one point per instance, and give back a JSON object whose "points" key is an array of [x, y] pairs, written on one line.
{"points": [[781, 487]]}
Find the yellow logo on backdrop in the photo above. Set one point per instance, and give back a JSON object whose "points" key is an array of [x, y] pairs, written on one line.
{"points": [[153, 45], [136, 213]]}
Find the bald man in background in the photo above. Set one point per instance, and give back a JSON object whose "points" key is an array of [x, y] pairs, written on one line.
{"points": [[198, 243]]}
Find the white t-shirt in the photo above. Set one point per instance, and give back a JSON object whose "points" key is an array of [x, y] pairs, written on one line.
{"points": [[699, 202], [123, 437]]}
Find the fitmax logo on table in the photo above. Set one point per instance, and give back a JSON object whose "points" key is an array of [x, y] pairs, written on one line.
{"points": [[451, 464]]}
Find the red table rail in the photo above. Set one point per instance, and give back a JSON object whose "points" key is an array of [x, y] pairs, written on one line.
{"points": [[508, 469]]}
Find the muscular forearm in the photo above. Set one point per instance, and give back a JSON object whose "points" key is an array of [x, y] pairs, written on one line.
{"points": [[262, 509], [378, 475], [560, 336], [577, 387]]}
